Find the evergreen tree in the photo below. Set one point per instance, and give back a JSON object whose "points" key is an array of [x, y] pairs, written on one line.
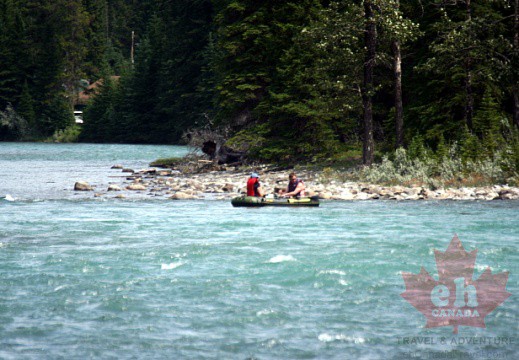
{"points": [[315, 104], [99, 121], [181, 104], [12, 61], [252, 37], [463, 61]]}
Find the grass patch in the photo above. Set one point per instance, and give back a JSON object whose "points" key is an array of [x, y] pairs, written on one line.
{"points": [[168, 162]]}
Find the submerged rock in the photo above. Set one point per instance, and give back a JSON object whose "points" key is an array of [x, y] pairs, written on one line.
{"points": [[82, 186], [114, 188]]}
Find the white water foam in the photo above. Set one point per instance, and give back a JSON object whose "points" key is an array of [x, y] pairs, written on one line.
{"points": [[331, 272], [281, 258], [340, 337], [265, 312], [171, 266]]}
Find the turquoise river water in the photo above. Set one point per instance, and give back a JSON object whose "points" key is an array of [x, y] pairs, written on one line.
{"points": [[85, 278]]}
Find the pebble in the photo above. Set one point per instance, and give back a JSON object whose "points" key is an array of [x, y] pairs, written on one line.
{"points": [[226, 186]]}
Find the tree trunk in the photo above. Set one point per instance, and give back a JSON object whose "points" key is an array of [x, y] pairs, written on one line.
{"points": [[469, 102], [370, 38], [515, 60], [399, 108]]}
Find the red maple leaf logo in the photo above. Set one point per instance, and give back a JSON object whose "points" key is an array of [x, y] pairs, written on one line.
{"points": [[455, 299]]}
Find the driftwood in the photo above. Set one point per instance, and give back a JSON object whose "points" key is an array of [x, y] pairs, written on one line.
{"points": [[221, 153], [211, 142]]}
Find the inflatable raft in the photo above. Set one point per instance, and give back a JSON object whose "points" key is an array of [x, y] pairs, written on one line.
{"points": [[252, 201]]}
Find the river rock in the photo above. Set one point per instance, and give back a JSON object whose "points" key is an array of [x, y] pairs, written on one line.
{"points": [[179, 195], [373, 189], [117, 166], [363, 196], [412, 192], [120, 196], [345, 195], [136, 187], [385, 193], [114, 187], [228, 187], [492, 195], [82, 186], [148, 171], [325, 195], [310, 193], [508, 194], [126, 170]]}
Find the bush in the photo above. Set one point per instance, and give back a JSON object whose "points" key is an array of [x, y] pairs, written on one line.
{"points": [[451, 169], [168, 162], [68, 135], [12, 125]]}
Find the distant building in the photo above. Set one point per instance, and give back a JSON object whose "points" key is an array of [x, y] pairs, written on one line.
{"points": [[78, 116], [85, 95]]}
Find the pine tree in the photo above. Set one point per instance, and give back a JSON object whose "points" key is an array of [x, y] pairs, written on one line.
{"points": [[12, 62], [464, 60], [315, 103]]}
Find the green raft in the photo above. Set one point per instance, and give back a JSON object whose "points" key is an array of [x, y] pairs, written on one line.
{"points": [[252, 201]]}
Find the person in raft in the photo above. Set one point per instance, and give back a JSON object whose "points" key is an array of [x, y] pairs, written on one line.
{"points": [[296, 187], [254, 187]]}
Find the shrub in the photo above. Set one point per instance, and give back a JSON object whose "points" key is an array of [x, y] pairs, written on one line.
{"points": [[12, 125], [68, 135]]}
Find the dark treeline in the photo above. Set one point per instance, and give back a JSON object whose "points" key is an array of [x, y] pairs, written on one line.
{"points": [[279, 79]]}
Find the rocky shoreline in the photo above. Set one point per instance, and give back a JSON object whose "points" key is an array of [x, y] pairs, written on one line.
{"points": [[230, 182]]}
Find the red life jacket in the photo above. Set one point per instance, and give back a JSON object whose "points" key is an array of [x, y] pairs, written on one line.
{"points": [[251, 189]]}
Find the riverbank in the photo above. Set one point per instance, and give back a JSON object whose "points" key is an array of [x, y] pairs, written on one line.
{"points": [[219, 183]]}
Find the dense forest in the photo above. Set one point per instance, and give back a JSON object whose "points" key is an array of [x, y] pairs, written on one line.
{"points": [[281, 80]]}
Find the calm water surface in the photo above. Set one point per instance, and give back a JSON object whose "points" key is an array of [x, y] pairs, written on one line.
{"points": [[91, 278]]}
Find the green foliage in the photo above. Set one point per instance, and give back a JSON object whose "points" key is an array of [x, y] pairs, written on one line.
{"points": [[283, 79], [249, 140], [417, 148], [462, 164], [55, 115], [99, 119], [449, 171], [168, 162], [68, 135], [463, 62]]}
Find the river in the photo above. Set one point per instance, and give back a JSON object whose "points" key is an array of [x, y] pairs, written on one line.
{"points": [[82, 277]]}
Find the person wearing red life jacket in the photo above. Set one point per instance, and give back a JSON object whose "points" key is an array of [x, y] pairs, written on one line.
{"points": [[254, 187], [296, 187]]}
